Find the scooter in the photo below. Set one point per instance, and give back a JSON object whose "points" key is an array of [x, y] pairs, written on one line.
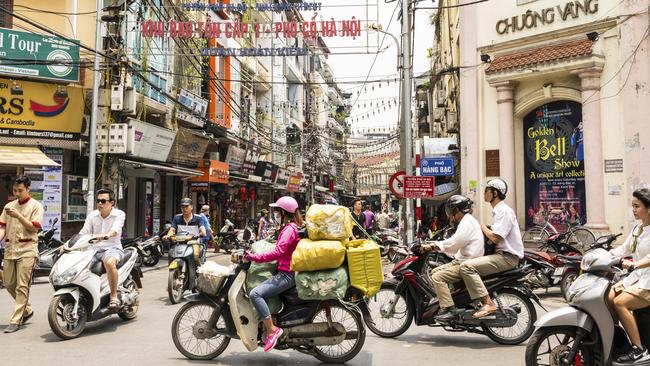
{"points": [[409, 295], [585, 333], [48, 252], [184, 258], [547, 263], [150, 249], [226, 238], [330, 330], [246, 237], [81, 287]]}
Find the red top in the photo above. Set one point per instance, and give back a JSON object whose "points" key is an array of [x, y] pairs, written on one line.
{"points": [[287, 242]]}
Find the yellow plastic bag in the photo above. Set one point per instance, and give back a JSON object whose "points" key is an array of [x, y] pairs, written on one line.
{"points": [[328, 222], [364, 265], [317, 255]]}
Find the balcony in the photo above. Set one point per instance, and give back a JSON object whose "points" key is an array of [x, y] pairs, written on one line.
{"points": [[316, 78]]}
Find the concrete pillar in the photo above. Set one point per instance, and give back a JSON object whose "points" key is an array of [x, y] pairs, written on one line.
{"points": [[593, 146], [506, 104]]}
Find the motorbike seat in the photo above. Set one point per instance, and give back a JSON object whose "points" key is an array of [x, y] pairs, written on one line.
{"points": [[572, 258], [98, 267], [290, 296], [515, 271]]}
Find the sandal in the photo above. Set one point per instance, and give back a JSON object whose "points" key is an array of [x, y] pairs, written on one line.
{"points": [[114, 304], [483, 312]]}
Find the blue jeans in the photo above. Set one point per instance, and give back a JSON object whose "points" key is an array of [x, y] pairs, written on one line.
{"points": [[274, 286]]}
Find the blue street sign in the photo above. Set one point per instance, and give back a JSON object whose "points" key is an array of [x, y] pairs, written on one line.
{"points": [[437, 167]]}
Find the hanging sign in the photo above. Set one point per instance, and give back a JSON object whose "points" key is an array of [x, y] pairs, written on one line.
{"points": [[437, 167]]}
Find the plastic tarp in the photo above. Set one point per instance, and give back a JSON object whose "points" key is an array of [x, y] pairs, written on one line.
{"points": [[322, 285], [328, 222], [317, 255], [260, 272], [364, 265]]}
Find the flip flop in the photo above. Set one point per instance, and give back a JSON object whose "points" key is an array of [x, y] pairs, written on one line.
{"points": [[483, 312], [114, 304]]}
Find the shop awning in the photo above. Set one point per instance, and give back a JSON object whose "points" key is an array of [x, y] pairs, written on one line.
{"points": [[24, 156], [170, 170]]}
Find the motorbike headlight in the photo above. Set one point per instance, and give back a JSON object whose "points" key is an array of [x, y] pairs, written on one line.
{"points": [[589, 259], [65, 277]]}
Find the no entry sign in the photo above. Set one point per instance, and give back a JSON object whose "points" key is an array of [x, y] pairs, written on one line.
{"points": [[396, 184]]}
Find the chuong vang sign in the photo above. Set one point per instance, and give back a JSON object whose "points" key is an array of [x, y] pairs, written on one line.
{"points": [[533, 19]]}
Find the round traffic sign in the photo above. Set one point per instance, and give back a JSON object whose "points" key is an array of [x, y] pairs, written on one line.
{"points": [[396, 184]]}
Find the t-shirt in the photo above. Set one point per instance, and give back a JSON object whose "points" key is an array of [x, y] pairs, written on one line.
{"points": [[504, 224], [20, 243], [193, 226], [383, 221], [361, 220], [369, 219]]}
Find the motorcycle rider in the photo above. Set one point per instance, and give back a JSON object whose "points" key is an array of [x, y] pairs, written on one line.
{"points": [[284, 279], [466, 243], [633, 292], [509, 247], [209, 233], [106, 223], [188, 222]]}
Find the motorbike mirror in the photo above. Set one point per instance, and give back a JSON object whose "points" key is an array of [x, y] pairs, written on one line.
{"points": [[56, 219]]}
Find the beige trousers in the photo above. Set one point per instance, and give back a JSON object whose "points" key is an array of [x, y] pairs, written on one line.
{"points": [[442, 277], [18, 280], [472, 270]]}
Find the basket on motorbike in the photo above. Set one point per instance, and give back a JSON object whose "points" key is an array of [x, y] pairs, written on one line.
{"points": [[211, 277]]}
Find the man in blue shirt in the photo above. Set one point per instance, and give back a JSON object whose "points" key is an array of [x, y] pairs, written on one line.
{"points": [[205, 214], [188, 222]]}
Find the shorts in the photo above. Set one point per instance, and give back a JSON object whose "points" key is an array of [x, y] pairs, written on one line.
{"points": [[116, 253], [636, 291]]}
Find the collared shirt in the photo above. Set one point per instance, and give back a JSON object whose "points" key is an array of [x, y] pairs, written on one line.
{"points": [[20, 243], [192, 226], [97, 225], [383, 220], [636, 245], [504, 224], [467, 242]]}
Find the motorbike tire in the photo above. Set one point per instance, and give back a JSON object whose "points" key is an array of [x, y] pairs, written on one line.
{"points": [[525, 300], [590, 354], [150, 259], [58, 305], [566, 282], [338, 308], [176, 325], [408, 315], [175, 296], [132, 312]]}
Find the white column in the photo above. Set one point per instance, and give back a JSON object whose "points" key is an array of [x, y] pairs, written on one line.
{"points": [[506, 106]]}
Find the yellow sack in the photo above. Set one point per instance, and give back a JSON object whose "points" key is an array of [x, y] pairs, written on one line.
{"points": [[364, 265], [317, 255], [328, 222]]}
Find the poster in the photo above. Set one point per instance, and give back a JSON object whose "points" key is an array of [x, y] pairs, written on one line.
{"points": [[554, 165], [47, 185]]}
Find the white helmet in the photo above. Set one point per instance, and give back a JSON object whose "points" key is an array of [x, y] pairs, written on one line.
{"points": [[498, 184]]}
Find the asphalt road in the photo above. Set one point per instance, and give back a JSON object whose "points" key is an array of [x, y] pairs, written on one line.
{"points": [[147, 339]]}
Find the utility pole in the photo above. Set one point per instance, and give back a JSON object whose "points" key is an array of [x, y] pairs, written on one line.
{"points": [[92, 146], [406, 138]]}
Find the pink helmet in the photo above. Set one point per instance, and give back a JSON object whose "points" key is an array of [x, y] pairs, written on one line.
{"points": [[286, 203]]}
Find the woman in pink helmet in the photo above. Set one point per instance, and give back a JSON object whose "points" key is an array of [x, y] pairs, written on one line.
{"points": [[283, 280]]}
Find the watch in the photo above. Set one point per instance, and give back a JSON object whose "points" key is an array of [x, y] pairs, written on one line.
{"points": [[631, 268]]}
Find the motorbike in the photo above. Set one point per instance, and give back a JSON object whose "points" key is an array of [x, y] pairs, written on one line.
{"points": [[150, 249], [48, 252], [81, 287], [409, 296], [585, 332], [246, 237], [330, 330], [571, 264], [226, 238], [548, 263], [184, 258], [388, 242]]}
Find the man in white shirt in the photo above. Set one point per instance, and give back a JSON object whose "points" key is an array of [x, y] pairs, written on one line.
{"points": [[466, 243], [106, 223], [509, 247]]}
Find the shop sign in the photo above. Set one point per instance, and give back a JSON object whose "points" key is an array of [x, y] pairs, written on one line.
{"points": [[197, 108], [252, 156], [39, 110], [199, 186], [188, 148], [294, 182], [532, 19], [437, 167], [554, 164], [47, 188], [235, 158], [150, 141], [283, 179], [52, 57], [267, 171], [419, 187], [213, 172]]}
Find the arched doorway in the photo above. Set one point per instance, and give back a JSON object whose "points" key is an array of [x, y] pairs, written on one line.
{"points": [[554, 164]]}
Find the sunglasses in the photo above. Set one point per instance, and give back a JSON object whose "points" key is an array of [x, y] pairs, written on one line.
{"points": [[102, 200]]}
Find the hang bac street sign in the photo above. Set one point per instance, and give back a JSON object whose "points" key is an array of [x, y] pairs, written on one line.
{"points": [[44, 57], [437, 167]]}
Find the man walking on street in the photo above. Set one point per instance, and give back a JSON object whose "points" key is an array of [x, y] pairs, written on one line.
{"points": [[369, 220], [359, 220], [19, 224]]}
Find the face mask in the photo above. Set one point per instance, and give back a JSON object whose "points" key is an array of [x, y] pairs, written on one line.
{"points": [[277, 217]]}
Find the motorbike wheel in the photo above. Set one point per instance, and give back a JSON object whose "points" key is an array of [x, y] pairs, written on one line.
{"points": [[354, 338], [189, 324], [175, 286], [525, 325], [59, 315], [566, 282], [132, 311], [150, 259], [549, 345], [399, 321]]}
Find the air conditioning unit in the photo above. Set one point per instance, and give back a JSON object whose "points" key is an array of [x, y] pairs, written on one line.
{"points": [[117, 97], [452, 122], [113, 138], [441, 97], [439, 114], [129, 106]]}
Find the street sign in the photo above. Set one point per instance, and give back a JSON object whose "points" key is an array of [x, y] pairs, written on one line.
{"points": [[437, 167], [396, 184], [419, 187], [53, 58]]}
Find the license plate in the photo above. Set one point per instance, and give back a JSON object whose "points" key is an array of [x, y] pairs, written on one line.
{"points": [[558, 272]]}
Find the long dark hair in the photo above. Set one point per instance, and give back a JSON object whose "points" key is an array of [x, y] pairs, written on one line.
{"points": [[292, 217]]}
